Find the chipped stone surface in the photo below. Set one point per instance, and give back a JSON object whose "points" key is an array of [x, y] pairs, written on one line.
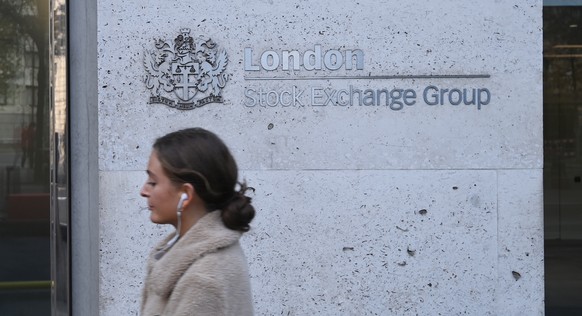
{"points": [[337, 242], [454, 37], [362, 210], [520, 242], [316, 247], [126, 237]]}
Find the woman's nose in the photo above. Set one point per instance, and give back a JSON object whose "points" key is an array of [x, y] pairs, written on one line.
{"points": [[143, 192]]}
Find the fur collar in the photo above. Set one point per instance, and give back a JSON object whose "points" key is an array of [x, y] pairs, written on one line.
{"points": [[207, 235]]}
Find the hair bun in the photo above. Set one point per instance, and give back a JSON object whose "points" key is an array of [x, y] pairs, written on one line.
{"points": [[239, 212]]}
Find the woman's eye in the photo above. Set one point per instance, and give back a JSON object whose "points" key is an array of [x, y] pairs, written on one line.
{"points": [[152, 183]]}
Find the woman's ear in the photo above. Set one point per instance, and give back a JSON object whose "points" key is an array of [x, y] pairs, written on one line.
{"points": [[189, 190]]}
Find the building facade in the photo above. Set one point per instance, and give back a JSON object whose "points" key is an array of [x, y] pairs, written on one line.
{"points": [[396, 149]]}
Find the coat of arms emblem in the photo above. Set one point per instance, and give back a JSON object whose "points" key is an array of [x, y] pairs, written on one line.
{"points": [[187, 73]]}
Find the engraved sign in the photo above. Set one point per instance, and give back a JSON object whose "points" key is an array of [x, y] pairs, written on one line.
{"points": [[288, 65], [186, 73]]}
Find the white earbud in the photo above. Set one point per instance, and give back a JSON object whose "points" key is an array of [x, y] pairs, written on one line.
{"points": [[183, 198], [172, 241]]}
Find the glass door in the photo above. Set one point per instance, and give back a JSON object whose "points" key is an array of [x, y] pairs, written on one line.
{"points": [[563, 159], [33, 214], [25, 281]]}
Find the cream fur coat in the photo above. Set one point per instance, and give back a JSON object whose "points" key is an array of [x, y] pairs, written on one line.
{"points": [[204, 273]]}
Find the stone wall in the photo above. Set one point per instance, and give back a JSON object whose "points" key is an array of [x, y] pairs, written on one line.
{"points": [[419, 194]]}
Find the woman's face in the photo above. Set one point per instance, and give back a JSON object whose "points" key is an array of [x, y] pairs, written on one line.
{"points": [[163, 196]]}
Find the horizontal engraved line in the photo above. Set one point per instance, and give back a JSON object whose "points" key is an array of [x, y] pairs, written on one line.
{"points": [[373, 77]]}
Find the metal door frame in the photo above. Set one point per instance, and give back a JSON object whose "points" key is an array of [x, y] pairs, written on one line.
{"points": [[59, 159]]}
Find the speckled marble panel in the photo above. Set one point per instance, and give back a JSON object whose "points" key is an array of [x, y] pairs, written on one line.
{"points": [[521, 242], [337, 242], [374, 242], [399, 38], [126, 237]]}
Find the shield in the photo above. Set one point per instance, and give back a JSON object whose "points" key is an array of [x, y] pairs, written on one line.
{"points": [[185, 79]]}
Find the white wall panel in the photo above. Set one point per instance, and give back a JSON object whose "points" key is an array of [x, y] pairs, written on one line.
{"points": [[341, 191]]}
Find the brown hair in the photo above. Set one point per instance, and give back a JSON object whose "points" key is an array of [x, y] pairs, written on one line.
{"points": [[201, 158]]}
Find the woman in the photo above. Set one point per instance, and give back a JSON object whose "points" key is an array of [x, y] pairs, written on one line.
{"points": [[200, 269]]}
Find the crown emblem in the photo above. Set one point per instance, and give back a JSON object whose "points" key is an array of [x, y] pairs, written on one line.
{"points": [[187, 73]]}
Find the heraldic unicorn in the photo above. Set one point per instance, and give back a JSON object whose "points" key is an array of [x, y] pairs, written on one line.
{"points": [[184, 69]]}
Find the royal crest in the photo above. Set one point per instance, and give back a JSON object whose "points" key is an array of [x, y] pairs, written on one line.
{"points": [[186, 73]]}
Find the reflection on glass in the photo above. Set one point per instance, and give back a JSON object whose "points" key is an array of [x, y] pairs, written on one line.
{"points": [[24, 158], [60, 242], [563, 159]]}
